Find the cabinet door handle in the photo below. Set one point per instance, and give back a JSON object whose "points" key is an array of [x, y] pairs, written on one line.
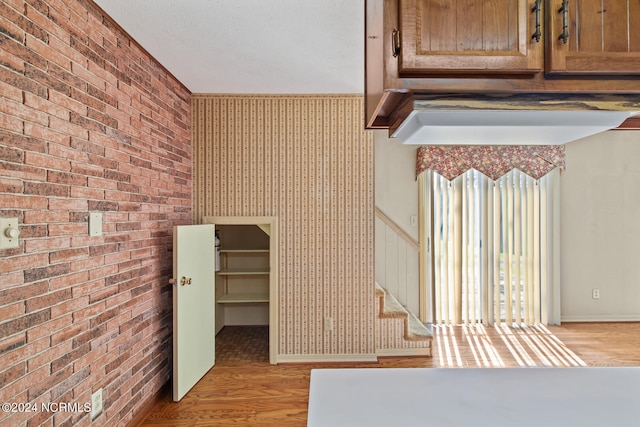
{"points": [[395, 42], [536, 9], [564, 9]]}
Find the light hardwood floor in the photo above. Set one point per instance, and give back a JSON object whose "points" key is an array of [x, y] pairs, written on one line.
{"points": [[259, 394]]}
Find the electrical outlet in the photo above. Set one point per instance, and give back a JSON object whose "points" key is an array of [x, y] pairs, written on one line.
{"points": [[96, 403], [413, 220], [595, 293], [328, 323]]}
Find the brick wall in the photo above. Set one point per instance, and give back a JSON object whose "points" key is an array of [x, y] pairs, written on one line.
{"points": [[89, 122]]}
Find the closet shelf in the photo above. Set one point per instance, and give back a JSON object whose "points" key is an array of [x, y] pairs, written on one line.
{"points": [[242, 272], [243, 251], [243, 298]]}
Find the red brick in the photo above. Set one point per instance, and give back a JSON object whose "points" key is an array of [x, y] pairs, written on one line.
{"points": [[118, 156], [86, 123], [69, 280], [68, 254], [86, 193], [81, 46], [89, 335], [69, 229], [68, 205], [36, 388], [49, 244], [90, 311], [46, 189], [62, 50], [41, 104], [48, 162], [12, 343], [9, 26], [92, 359], [22, 171], [105, 184], [122, 300], [46, 329], [22, 293], [11, 123], [102, 250], [50, 354], [35, 30], [69, 383], [69, 356], [118, 196], [71, 129], [48, 300], [10, 91], [13, 63], [68, 332], [32, 231], [38, 12], [87, 169], [19, 263], [11, 279], [87, 287], [11, 311], [17, 48], [86, 265], [23, 323], [9, 375], [49, 271], [99, 93], [68, 307], [41, 77], [22, 352], [46, 134], [38, 217]]}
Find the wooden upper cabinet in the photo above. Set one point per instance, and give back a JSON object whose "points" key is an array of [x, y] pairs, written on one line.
{"points": [[603, 37], [468, 37]]}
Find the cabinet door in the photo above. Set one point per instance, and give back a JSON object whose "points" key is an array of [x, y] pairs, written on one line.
{"points": [[193, 305], [469, 37], [603, 37]]}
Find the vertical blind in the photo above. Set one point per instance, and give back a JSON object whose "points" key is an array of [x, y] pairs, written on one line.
{"points": [[495, 248]]}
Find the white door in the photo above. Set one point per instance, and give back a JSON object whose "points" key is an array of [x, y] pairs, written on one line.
{"points": [[193, 305]]}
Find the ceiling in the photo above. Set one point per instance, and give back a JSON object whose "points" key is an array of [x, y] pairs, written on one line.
{"points": [[251, 46]]}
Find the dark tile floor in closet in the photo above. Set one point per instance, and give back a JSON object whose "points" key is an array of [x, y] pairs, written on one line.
{"points": [[242, 344]]}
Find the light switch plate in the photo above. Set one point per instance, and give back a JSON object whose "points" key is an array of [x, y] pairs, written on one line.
{"points": [[7, 225], [95, 224]]}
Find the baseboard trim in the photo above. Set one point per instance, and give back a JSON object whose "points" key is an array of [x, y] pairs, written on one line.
{"points": [[603, 318], [326, 358], [403, 352], [144, 412]]}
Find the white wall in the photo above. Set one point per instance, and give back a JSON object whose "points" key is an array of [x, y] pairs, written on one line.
{"points": [[396, 188], [600, 228], [396, 194]]}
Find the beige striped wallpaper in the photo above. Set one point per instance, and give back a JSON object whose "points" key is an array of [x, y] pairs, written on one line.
{"points": [[306, 160]]}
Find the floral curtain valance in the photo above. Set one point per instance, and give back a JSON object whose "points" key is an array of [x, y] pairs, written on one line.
{"points": [[494, 161]]}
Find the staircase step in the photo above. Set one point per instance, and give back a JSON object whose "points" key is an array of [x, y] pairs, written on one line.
{"points": [[417, 331], [379, 290], [389, 305]]}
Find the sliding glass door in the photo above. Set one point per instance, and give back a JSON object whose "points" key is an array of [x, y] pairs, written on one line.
{"points": [[490, 248]]}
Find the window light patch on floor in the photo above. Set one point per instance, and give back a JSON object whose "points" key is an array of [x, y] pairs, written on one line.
{"points": [[501, 345]]}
